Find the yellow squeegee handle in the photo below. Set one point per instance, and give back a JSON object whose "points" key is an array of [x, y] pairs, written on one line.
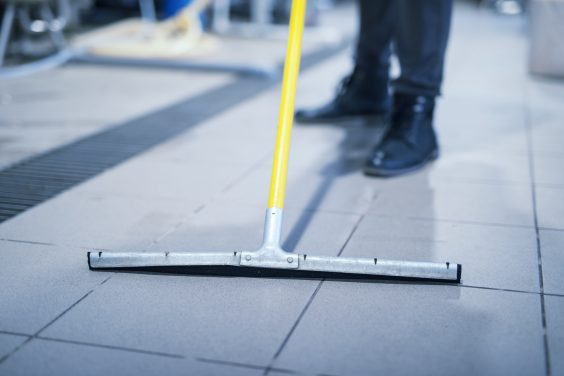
{"points": [[286, 116]]}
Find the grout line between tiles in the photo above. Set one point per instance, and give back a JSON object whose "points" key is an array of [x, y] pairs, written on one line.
{"points": [[247, 172], [528, 127], [244, 365], [555, 186], [551, 229], [554, 294], [111, 347], [309, 302], [64, 312], [36, 334], [15, 333], [148, 139], [493, 224], [293, 328], [208, 202], [495, 289], [26, 242]]}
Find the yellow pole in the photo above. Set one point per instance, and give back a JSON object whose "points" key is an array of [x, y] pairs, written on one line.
{"points": [[286, 116]]}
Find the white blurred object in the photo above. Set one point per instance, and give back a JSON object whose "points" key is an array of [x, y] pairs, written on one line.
{"points": [[546, 53], [181, 35], [509, 7]]}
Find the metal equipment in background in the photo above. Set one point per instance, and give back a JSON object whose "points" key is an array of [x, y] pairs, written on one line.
{"points": [[41, 24], [270, 258], [179, 42]]}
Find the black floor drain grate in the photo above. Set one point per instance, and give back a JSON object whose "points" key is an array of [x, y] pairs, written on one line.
{"points": [[39, 178]]}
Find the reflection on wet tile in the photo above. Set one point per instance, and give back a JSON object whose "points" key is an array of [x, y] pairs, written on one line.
{"points": [[548, 170], [221, 227], [550, 207], [417, 196], [405, 329], [491, 256]]}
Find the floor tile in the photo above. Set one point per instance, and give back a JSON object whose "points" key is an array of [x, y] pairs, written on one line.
{"points": [[221, 227], [9, 343], [555, 332], [546, 133], [482, 126], [491, 256], [546, 113], [419, 196], [548, 169], [552, 250], [550, 207], [70, 92], [98, 220], [263, 309], [417, 329], [337, 191], [196, 182], [481, 165], [241, 320], [39, 283], [220, 153], [41, 357]]}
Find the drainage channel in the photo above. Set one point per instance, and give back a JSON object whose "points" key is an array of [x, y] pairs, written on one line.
{"points": [[39, 178]]}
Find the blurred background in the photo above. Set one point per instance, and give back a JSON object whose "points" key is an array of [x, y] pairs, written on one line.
{"points": [[34, 29]]}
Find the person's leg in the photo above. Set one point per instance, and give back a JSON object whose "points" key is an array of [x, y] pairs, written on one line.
{"points": [[364, 93], [420, 40], [377, 19]]}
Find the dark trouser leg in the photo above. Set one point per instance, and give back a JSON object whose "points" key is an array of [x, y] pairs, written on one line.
{"points": [[365, 92], [420, 40], [377, 19]]}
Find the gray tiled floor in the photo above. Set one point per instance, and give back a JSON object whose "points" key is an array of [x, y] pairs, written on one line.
{"points": [[46, 357], [492, 256], [419, 196], [552, 245], [207, 188], [181, 315], [35, 293], [98, 220], [9, 342], [555, 325], [550, 202], [62, 110], [367, 329], [220, 227]]}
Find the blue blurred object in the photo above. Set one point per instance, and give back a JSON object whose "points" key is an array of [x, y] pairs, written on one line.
{"points": [[171, 7]]}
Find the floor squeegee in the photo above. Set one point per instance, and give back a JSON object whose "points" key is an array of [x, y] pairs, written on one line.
{"points": [[270, 259]]}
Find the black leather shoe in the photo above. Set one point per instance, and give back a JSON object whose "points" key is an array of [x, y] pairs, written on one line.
{"points": [[410, 142], [359, 95]]}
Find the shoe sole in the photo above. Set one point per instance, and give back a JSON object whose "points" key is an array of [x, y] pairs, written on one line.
{"points": [[390, 173]]}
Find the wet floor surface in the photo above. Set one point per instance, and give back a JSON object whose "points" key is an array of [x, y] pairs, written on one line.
{"points": [[493, 202]]}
